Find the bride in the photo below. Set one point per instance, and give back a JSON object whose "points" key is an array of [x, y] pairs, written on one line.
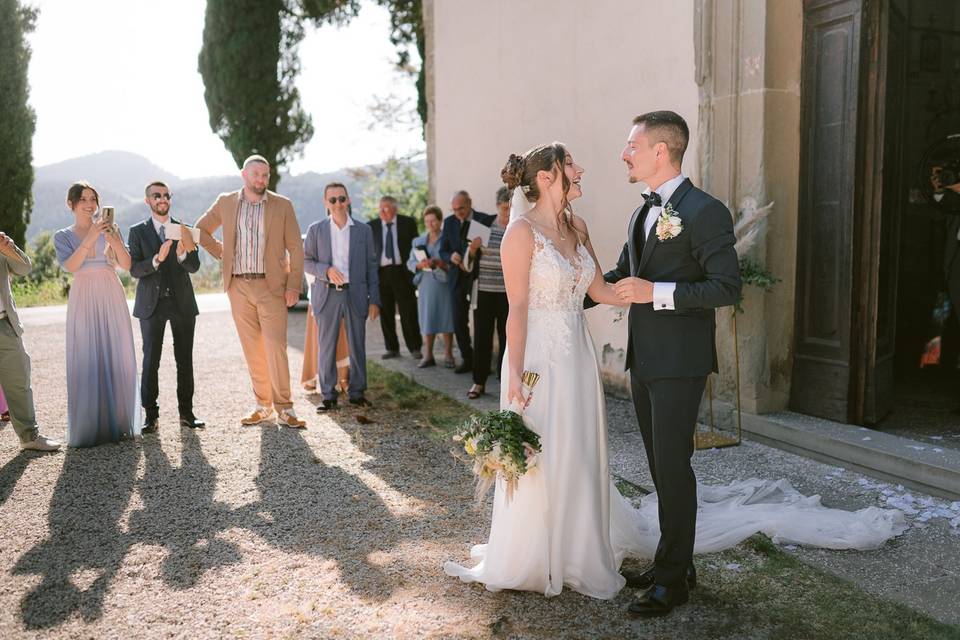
{"points": [[566, 524]]}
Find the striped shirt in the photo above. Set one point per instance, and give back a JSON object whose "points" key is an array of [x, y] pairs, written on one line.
{"points": [[248, 256], [490, 274]]}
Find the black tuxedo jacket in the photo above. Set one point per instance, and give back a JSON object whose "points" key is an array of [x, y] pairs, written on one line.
{"points": [[681, 343], [406, 230], [452, 240], [144, 243]]}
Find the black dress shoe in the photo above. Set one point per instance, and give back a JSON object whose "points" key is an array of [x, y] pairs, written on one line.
{"points": [[360, 402], [646, 579], [465, 367], [327, 405], [151, 425], [390, 354], [191, 422], [658, 601]]}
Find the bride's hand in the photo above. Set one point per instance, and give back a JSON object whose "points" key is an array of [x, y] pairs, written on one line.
{"points": [[515, 395]]}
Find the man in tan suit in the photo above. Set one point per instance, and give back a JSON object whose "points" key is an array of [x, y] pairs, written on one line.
{"points": [[14, 361], [262, 262]]}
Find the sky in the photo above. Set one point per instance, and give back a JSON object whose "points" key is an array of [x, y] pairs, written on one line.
{"points": [[122, 75]]}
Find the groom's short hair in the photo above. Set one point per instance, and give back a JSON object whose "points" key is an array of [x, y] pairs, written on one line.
{"points": [[669, 128]]}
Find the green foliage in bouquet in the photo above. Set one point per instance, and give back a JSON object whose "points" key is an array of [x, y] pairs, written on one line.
{"points": [[499, 443]]}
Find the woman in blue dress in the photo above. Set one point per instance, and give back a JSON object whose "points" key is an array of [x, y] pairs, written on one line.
{"points": [[102, 403], [434, 300]]}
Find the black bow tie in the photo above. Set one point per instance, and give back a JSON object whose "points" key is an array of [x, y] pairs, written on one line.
{"points": [[653, 199]]}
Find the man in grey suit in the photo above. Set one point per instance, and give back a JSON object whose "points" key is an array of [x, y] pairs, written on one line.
{"points": [[340, 253], [14, 361]]}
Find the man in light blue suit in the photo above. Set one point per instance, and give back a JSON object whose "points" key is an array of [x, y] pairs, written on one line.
{"points": [[340, 252]]}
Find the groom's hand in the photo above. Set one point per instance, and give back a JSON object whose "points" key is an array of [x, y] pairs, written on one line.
{"points": [[634, 290]]}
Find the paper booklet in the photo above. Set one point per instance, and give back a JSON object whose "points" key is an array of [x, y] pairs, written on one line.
{"points": [[478, 230], [421, 256], [172, 231]]}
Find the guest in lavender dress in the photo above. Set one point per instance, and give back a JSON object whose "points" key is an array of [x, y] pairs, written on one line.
{"points": [[102, 398]]}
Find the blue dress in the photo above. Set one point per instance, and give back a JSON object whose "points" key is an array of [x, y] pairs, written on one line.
{"points": [[434, 298], [102, 403]]}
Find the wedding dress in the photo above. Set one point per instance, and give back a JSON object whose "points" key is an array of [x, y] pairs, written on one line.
{"points": [[566, 524]]}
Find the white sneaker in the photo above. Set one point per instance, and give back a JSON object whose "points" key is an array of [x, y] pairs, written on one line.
{"points": [[259, 416], [41, 443], [288, 418]]}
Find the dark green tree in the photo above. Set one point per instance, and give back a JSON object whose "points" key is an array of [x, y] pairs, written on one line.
{"points": [[17, 118], [406, 24], [249, 66]]}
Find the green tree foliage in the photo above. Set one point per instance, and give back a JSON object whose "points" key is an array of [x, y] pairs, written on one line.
{"points": [[249, 66], [406, 23], [397, 177], [17, 119]]}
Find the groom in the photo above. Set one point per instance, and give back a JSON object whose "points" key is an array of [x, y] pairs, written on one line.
{"points": [[677, 266]]}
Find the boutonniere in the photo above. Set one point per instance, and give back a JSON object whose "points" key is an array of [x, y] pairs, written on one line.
{"points": [[669, 225]]}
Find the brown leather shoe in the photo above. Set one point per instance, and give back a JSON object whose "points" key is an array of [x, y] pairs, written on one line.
{"points": [[258, 416], [658, 601], [647, 578]]}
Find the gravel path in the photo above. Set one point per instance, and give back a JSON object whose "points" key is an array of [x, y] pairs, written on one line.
{"points": [[336, 531]]}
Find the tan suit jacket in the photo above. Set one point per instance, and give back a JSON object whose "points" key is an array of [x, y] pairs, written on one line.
{"points": [[17, 267], [283, 250]]}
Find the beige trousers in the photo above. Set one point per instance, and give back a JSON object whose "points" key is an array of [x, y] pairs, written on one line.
{"points": [[308, 376], [261, 320]]}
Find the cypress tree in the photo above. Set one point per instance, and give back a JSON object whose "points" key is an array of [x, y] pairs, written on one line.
{"points": [[17, 118]]}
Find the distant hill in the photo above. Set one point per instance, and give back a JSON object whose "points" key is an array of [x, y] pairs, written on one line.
{"points": [[120, 176]]}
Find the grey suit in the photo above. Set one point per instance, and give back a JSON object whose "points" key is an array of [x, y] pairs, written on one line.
{"points": [[14, 361], [352, 303]]}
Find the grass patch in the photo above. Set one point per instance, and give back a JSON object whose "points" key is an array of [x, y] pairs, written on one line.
{"points": [[398, 392], [29, 294], [771, 592]]}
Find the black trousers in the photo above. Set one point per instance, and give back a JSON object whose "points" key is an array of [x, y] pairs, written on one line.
{"points": [[667, 414], [461, 317], [152, 330], [397, 291], [491, 313]]}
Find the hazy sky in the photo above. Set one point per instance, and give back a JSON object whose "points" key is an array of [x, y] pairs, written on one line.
{"points": [[122, 74]]}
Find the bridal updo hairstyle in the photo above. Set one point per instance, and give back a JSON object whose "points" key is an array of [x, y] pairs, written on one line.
{"points": [[521, 171]]}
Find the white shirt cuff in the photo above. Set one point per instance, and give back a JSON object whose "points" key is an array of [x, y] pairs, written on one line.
{"points": [[663, 295], [938, 196], [180, 259], [156, 263]]}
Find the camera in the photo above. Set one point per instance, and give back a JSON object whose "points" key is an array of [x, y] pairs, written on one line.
{"points": [[950, 172], [939, 173]]}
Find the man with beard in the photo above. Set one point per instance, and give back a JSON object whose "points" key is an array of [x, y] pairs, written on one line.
{"points": [[163, 266], [262, 262]]}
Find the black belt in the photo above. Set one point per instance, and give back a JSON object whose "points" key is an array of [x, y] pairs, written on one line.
{"points": [[250, 276], [338, 287]]}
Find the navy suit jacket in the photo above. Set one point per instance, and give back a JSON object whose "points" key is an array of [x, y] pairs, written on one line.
{"points": [[450, 243], [364, 287], [144, 243]]}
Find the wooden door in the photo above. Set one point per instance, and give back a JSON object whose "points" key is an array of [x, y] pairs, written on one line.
{"points": [[822, 365], [851, 195]]}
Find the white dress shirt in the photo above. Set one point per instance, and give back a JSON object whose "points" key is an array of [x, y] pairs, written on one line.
{"points": [[157, 225], [340, 246], [384, 261], [662, 291]]}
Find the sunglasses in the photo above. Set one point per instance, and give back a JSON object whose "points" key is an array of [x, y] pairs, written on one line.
{"points": [[161, 196], [336, 199]]}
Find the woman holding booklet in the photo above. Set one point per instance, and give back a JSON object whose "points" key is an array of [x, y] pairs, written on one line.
{"points": [[434, 298]]}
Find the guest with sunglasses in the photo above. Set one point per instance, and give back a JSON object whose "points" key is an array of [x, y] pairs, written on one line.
{"points": [[163, 266], [339, 252]]}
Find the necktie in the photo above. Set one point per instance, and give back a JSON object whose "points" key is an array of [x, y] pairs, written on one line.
{"points": [[388, 250], [163, 234]]}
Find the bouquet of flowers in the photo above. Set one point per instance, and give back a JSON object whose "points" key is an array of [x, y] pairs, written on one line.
{"points": [[499, 443]]}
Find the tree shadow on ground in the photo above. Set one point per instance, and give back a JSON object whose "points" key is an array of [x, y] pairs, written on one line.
{"points": [[86, 546], [180, 513]]}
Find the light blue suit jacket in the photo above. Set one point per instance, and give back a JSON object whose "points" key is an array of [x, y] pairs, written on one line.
{"points": [[364, 287]]}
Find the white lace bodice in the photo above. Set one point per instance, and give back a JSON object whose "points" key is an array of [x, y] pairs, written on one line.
{"points": [[558, 283]]}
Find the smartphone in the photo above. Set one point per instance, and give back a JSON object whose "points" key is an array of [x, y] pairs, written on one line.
{"points": [[106, 215]]}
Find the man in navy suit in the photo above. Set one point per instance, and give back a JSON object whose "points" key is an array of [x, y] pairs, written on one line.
{"points": [[339, 251], [164, 294], [393, 235], [453, 245]]}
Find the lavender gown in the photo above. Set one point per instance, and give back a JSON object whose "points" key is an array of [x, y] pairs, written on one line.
{"points": [[102, 403]]}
